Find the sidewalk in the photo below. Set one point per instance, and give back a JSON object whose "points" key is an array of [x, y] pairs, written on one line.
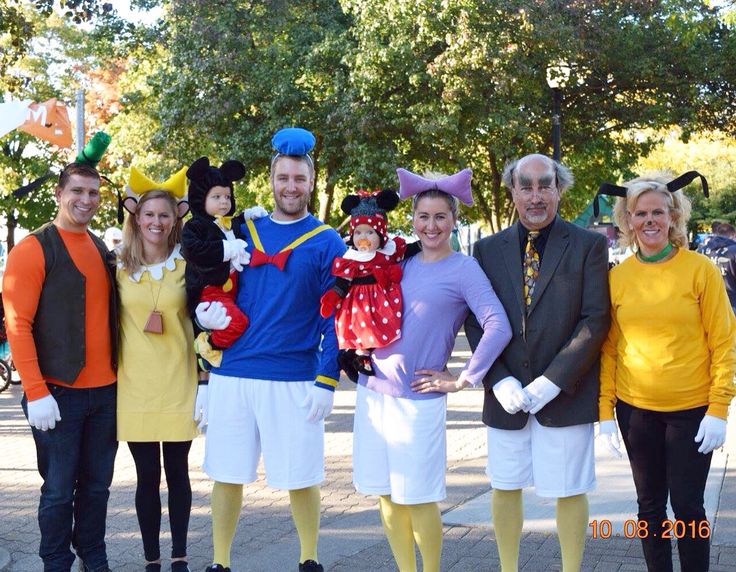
{"points": [[351, 538]]}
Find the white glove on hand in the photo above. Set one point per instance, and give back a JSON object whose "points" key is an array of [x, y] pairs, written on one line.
{"points": [[319, 402], [212, 316], [240, 260], [43, 413], [232, 250], [608, 435], [511, 396], [541, 391], [712, 433], [200, 407], [255, 212]]}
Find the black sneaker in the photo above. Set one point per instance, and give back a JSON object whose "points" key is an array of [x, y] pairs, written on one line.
{"points": [[153, 567], [310, 566], [217, 568], [180, 566]]}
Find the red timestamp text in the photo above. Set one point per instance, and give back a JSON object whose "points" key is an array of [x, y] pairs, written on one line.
{"points": [[640, 529]]}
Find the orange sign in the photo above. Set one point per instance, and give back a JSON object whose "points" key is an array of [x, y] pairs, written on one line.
{"points": [[49, 121]]}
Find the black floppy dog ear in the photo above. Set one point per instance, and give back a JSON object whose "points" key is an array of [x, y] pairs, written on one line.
{"points": [[349, 203], [232, 170], [387, 199], [198, 168]]}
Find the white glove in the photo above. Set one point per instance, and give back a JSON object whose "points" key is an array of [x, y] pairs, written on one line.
{"points": [[255, 212], [241, 260], [510, 395], [541, 391], [43, 413], [200, 407], [233, 250], [608, 435], [212, 316], [712, 433], [319, 402]]}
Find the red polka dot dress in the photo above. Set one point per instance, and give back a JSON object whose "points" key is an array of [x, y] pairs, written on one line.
{"points": [[370, 314]]}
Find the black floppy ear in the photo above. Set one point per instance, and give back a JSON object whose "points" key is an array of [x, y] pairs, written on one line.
{"points": [[607, 189], [198, 168], [387, 199], [33, 185], [232, 170], [349, 203]]}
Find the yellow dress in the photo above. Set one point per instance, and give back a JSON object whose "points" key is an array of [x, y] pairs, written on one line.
{"points": [[157, 373]]}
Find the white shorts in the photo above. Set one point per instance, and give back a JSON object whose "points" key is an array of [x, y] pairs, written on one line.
{"points": [[556, 461], [250, 416], [399, 447]]}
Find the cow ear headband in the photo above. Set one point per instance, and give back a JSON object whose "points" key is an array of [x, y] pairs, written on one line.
{"points": [[457, 185], [139, 184], [674, 185]]}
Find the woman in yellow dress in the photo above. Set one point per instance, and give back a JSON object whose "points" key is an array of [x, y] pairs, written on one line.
{"points": [[157, 373]]}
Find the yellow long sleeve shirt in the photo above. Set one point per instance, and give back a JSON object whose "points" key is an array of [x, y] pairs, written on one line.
{"points": [[671, 345]]}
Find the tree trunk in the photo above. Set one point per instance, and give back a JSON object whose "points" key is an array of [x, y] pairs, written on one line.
{"points": [[12, 223]]}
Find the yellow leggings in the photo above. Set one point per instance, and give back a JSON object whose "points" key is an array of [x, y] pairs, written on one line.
{"points": [[508, 518], [227, 500], [406, 525]]}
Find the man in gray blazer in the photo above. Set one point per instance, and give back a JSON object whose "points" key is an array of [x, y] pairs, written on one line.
{"points": [[541, 396]]}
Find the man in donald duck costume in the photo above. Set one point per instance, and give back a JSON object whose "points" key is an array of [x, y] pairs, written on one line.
{"points": [[275, 384]]}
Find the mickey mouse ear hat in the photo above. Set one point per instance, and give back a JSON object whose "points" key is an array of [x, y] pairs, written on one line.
{"points": [[203, 176], [674, 185]]}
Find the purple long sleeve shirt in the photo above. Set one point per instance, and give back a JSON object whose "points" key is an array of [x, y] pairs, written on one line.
{"points": [[437, 298]]}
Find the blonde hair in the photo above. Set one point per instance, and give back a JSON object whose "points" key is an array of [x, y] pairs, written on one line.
{"points": [[131, 254], [677, 203]]}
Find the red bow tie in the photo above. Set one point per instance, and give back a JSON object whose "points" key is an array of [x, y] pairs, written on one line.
{"points": [[259, 258]]}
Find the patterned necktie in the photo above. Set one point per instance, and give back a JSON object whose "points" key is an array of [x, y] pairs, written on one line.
{"points": [[531, 267]]}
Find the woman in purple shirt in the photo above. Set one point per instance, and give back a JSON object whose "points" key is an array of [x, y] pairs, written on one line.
{"points": [[399, 448]]}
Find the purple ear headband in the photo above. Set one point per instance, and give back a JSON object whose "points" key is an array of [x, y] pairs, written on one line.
{"points": [[457, 185]]}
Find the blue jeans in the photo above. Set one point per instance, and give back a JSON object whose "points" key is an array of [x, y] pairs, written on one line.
{"points": [[76, 461]]}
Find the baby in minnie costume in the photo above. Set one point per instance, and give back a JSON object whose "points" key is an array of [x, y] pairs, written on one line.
{"points": [[366, 296], [213, 253]]}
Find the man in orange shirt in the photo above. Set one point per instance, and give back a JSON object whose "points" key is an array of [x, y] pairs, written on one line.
{"points": [[61, 316]]}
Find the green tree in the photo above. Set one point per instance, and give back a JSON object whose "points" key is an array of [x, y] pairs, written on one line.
{"points": [[462, 82]]}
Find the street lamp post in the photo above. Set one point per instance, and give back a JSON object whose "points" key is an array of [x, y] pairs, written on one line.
{"points": [[557, 76]]}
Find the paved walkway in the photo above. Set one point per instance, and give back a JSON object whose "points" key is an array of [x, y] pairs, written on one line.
{"points": [[351, 537]]}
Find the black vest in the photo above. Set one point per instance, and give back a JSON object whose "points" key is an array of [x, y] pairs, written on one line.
{"points": [[59, 323]]}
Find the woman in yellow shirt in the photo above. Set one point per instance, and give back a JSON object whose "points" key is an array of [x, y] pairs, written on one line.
{"points": [[157, 372], [667, 366]]}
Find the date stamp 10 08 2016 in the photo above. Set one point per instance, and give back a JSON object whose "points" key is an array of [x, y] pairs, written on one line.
{"points": [[640, 529]]}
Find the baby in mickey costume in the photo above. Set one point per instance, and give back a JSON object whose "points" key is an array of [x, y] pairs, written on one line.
{"points": [[213, 254]]}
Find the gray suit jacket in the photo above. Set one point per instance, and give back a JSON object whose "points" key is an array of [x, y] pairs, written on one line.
{"points": [[562, 334]]}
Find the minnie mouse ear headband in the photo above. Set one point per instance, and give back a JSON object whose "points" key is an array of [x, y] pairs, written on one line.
{"points": [[203, 176], [90, 156], [293, 142], [457, 185], [674, 185], [366, 207], [139, 184]]}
